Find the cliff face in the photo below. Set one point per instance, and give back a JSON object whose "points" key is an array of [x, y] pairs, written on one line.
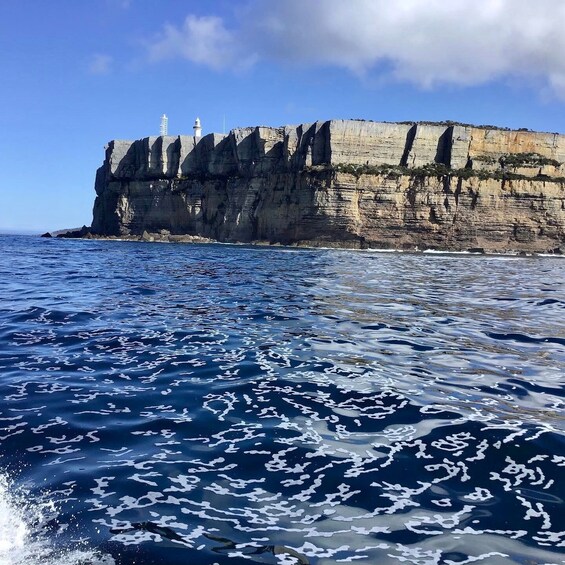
{"points": [[344, 183]]}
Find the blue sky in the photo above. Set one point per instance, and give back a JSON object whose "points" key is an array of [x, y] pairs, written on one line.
{"points": [[78, 73]]}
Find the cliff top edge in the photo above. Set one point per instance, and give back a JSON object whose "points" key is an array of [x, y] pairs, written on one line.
{"points": [[321, 123]]}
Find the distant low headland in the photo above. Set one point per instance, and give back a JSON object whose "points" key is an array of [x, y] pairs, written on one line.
{"points": [[341, 183]]}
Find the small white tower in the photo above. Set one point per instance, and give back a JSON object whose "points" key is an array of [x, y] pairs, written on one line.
{"points": [[197, 128], [164, 125]]}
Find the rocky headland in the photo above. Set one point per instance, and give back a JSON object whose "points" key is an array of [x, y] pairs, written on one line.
{"points": [[341, 183]]}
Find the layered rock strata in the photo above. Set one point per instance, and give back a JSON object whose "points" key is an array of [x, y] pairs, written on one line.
{"points": [[341, 183]]}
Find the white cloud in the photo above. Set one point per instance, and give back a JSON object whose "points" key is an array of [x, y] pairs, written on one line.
{"points": [[202, 40], [121, 4], [426, 42], [100, 64]]}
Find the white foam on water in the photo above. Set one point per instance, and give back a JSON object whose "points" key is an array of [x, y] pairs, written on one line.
{"points": [[12, 528], [447, 252], [23, 539]]}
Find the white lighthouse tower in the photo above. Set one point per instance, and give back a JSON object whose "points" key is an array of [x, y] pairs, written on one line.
{"points": [[163, 130], [197, 128]]}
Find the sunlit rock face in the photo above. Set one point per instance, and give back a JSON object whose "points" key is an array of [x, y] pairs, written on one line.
{"points": [[347, 183]]}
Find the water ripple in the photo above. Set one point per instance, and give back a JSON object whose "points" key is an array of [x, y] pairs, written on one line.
{"points": [[219, 404]]}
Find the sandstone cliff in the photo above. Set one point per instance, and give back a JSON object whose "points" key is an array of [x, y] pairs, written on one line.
{"points": [[342, 183]]}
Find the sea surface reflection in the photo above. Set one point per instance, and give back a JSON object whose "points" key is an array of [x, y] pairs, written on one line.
{"points": [[168, 404]]}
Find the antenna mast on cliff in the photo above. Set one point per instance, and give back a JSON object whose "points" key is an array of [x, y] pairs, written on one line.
{"points": [[164, 125]]}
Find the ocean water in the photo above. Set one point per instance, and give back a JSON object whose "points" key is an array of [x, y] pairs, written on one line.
{"points": [[201, 404]]}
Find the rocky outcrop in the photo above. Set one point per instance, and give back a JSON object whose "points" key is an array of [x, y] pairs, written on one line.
{"points": [[341, 183]]}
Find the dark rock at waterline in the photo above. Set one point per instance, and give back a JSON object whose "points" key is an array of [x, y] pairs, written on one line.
{"points": [[69, 233], [74, 233]]}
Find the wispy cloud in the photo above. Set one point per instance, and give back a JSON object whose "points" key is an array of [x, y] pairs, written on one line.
{"points": [[425, 42], [100, 64], [122, 4], [203, 40]]}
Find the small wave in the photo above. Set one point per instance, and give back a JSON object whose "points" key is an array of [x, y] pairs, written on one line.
{"points": [[550, 302], [24, 538], [523, 338], [447, 252]]}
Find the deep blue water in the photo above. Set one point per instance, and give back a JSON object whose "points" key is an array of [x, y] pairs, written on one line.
{"points": [[200, 404]]}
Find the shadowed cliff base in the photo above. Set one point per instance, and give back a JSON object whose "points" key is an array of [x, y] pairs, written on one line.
{"points": [[341, 183]]}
